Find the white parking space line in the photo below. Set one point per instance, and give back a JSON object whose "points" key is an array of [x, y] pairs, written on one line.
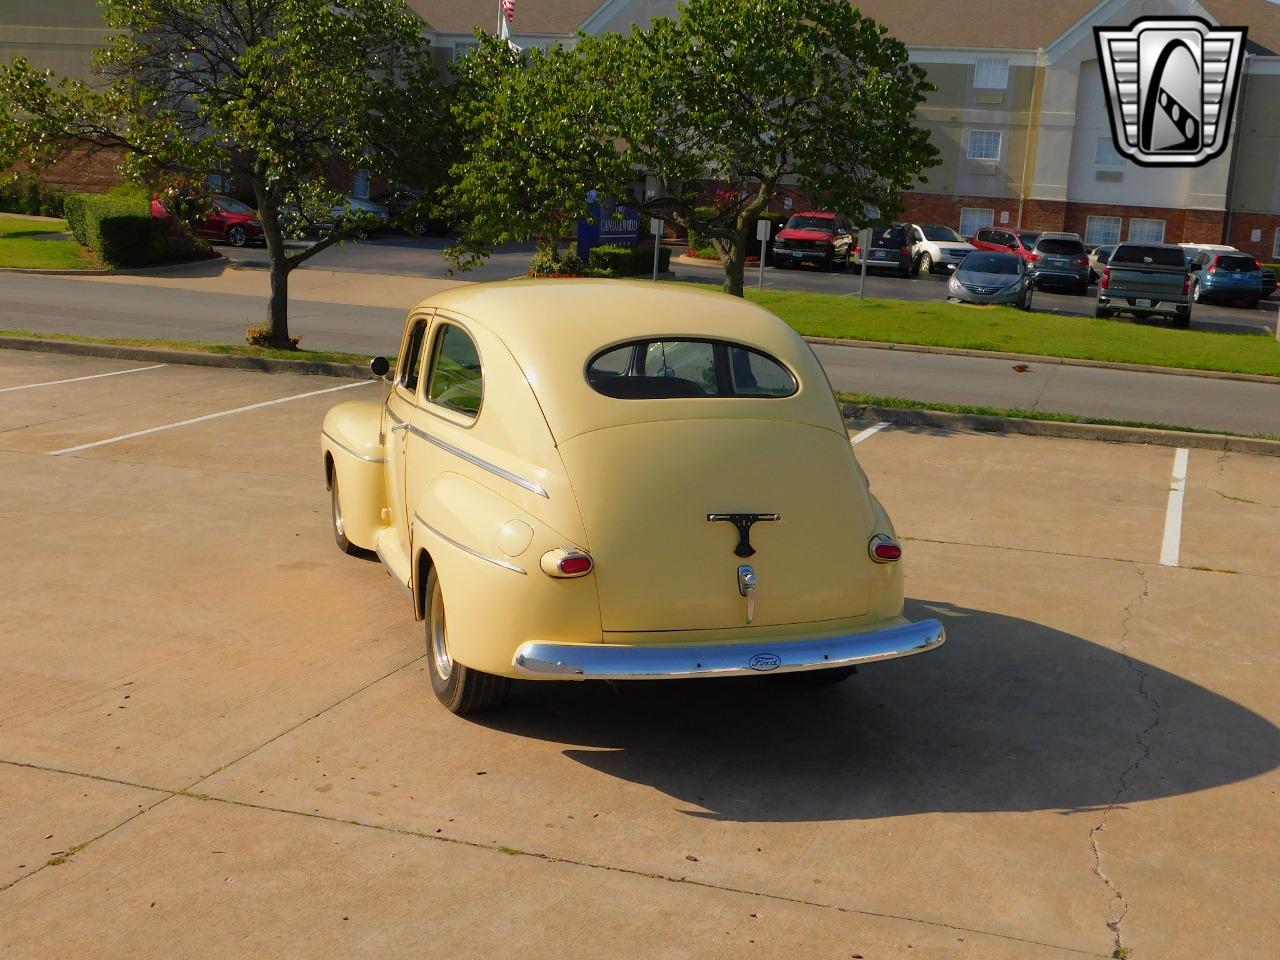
{"points": [[96, 376], [207, 416], [868, 433], [1173, 514]]}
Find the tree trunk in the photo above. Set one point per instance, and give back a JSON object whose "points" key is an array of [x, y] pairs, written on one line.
{"points": [[734, 254], [278, 258]]}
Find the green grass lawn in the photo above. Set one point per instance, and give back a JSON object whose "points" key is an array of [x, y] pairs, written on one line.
{"points": [[902, 403], [42, 245], [198, 346], [1005, 329]]}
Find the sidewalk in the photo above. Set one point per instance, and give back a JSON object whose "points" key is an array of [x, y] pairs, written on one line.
{"points": [[306, 283]]}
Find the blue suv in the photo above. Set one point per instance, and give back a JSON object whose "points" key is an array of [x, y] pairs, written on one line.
{"points": [[1226, 275]]}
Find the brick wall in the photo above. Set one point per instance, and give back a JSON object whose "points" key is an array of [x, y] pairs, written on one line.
{"points": [[84, 171], [1204, 226], [1242, 227]]}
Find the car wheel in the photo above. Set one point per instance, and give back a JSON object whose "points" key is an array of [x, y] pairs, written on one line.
{"points": [[1182, 322], [237, 236], [1083, 289], [1195, 291], [339, 524], [1251, 304], [1026, 298], [926, 263], [1102, 313], [461, 689]]}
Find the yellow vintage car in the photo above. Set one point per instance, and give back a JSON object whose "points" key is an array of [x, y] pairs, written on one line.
{"points": [[594, 479]]}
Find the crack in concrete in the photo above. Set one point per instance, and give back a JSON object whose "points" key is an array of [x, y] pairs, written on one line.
{"points": [[1053, 372], [495, 847], [1118, 904]]}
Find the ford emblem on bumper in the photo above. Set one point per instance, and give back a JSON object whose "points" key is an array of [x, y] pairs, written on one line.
{"points": [[765, 662]]}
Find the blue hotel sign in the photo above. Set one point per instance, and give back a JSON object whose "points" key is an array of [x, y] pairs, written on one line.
{"points": [[610, 224]]}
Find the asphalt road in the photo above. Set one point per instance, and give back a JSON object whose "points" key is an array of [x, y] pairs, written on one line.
{"points": [[423, 258]]}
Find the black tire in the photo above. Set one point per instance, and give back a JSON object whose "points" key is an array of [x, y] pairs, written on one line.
{"points": [[1195, 291], [1025, 302], [926, 264], [1083, 289], [1251, 304], [1102, 313], [905, 271], [339, 525], [821, 678], [1182, 322], [237, 235], [461, 689]]}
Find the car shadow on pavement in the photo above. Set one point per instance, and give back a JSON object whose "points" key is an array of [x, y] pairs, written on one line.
{"points": [[1009, 715]]}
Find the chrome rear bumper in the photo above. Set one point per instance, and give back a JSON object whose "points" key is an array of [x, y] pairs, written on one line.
{"points": [[597, 661]]}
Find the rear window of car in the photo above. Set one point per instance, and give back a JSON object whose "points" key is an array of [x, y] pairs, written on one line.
{"points": [[893, 237], [663, 369], [1142, 253], [1236, 262], [1060, 247]]}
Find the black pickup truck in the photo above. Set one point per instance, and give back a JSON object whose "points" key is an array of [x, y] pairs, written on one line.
{"points": [[1146, 280]]}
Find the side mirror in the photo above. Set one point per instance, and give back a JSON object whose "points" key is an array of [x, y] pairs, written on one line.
{"points": [[380, 366]]}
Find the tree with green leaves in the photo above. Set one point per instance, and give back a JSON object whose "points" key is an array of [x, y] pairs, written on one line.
{"points": [[537, 138], [740, 98], [279, 93]]}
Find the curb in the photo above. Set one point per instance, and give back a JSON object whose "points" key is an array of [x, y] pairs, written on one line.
{"points": [[108, 272], [321, 368], [982, 423], [1036, 358]]}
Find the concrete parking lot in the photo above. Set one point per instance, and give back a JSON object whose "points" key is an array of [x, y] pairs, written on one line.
{"points": [[216, 738]]}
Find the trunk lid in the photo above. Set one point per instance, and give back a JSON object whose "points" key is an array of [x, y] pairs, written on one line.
{"points": [[646, 490]]}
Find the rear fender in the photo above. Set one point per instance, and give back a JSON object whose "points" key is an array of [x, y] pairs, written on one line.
{"points": [[486, 551]]}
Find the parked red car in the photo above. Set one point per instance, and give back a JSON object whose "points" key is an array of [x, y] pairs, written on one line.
{"points": [[825, 239], [1000, 240], [230, 221]]}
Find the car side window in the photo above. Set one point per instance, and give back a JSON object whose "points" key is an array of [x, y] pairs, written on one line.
{"points": [[457, 381], [411, 359], [984, 235]]}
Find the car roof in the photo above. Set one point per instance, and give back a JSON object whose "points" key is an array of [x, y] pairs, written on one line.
{"points": [[554, 327], [825, 214], [1045, 235]]}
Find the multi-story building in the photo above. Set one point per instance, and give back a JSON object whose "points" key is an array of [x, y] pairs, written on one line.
{"points": [[1018, 116]]}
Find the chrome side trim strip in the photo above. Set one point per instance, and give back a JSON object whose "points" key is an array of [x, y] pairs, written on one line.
{"points": [[465, 549], [342, 446], [598, 661], [493, 468]]}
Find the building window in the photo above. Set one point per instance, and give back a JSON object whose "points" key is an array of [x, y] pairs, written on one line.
{"points": [[973, 219], [984, 144], [1102, 231], [463, 47], [360, 184], [991, 75], [1275, 245], [1146, 231], [1106, 154]]}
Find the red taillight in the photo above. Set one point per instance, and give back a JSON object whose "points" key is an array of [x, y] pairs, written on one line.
{"points": [[884, 549], [1082, 261], [857, 249], [564, 562], [1213, 267], [905, 251], [1106, 279], [1257, 264], [1032, 257], [1186, 285], [575, 566]]}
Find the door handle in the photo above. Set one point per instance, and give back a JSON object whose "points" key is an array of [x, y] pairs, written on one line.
{"points": [[399, 426]]}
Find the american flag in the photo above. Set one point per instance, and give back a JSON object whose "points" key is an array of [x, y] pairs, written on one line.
{"points": [[509, 10]]}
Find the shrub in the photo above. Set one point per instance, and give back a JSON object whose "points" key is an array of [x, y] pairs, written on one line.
{"points": [[259, 335], [25, 194], [73, 209], [611, 261], [546, 264]]}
